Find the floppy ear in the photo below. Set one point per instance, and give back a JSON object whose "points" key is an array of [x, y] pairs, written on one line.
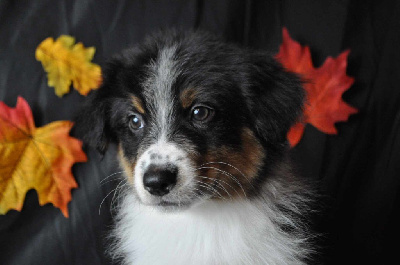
{"points": [[91, 124], [92, 121], [276, 99]]}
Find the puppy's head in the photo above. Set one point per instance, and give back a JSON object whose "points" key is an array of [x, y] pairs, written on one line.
{"points": [[194, 119]]}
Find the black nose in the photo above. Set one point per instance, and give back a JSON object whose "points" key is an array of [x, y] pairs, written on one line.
{"points": [[160, 181]]}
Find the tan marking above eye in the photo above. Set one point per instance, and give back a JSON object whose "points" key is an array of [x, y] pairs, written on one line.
{"points": [[187, 97], [138, 104]]}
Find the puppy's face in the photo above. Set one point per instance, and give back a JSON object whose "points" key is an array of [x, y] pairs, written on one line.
{"points": [[194, 119]]}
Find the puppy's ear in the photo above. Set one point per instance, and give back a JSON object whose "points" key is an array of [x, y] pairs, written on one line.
{"points": [[276, 98], [91, 124], [92, 120]]}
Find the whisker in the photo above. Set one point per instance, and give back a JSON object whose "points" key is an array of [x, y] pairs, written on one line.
{"points": [[110, 180], [109, 176], [116, 191], [202, 193], [105, 199], [230, 165], [222, 186], [227, 174], [210, 188], [196, 195]]}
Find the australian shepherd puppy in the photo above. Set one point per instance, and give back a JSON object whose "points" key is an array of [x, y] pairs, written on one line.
{"points": [[201, 130]]}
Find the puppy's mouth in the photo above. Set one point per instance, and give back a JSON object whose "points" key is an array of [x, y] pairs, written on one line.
{"points": [[169, 206], [181, 205], [174, 202]]}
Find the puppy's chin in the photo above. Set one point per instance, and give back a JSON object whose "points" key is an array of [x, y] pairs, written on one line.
{"points": [[165, 206], [169, 204], [169, 207]]}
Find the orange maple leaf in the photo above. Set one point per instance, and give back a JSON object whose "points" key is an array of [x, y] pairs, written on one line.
{"points": [[324, 88], [66, 63], [35, 158]]}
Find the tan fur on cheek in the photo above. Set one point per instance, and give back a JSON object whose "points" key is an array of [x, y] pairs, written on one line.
{"points": [[252, 154], [127, 166], [232, 170]]}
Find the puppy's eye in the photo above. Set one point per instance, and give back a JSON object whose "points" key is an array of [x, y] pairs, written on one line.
{"points": [[135, 122], [202, 114]]}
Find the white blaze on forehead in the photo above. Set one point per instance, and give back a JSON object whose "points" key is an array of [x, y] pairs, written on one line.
{"points": [[158, 90], [162, 152]]}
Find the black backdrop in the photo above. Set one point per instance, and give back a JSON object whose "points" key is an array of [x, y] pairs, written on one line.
{"points": [[358, 171]]}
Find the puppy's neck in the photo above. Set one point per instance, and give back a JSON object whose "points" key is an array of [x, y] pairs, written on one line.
{"points": [[223, 232]]}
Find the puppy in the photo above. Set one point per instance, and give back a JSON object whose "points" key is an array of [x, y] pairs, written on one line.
{"points": [[201, 130]]}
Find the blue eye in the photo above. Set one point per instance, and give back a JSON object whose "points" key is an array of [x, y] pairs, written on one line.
{"points": [[136, 122]]}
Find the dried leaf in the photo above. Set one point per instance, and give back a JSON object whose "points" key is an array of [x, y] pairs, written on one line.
{"points": [[66, 63], [324, 88], [35, 158]]}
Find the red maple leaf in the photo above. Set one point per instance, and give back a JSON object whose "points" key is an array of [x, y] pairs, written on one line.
{"points": [[324, 88], [35, 158]]}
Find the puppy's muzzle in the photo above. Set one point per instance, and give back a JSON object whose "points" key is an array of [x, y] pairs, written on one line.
{"points": [[160, 180]]}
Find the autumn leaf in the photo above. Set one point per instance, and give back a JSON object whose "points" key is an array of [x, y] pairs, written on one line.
{"points": [[35, 158], [324, 88], [66, 63]]}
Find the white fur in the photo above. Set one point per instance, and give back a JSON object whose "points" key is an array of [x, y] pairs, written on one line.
{"points": [[168, 153], [157, 91], [215, 232]]}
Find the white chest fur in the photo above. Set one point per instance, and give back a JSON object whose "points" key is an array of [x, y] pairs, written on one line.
{"points": [[240, 232]]}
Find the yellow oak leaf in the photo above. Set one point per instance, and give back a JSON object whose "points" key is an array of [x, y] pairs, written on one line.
{"points": [[66, 62], [35, 158]]}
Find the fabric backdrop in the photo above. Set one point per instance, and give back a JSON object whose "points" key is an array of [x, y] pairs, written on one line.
{"points": [[357, 171]]}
